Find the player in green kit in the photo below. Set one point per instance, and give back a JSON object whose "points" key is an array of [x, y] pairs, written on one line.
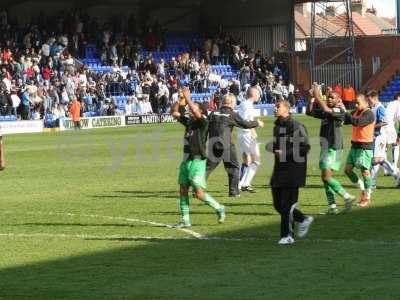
{"points": [[361, 154], [192, 171], [332, 116]]}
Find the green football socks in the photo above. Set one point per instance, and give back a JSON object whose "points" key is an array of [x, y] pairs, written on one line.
{"points": [[368, 186], [210, 201], [353, 177], [184, 207], [336, 187], [330, 194]]}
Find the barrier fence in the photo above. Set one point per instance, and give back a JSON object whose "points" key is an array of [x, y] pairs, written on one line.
{"points": [[65, 124], [332, 74]]}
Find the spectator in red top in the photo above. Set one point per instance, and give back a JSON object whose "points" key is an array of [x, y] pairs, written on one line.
{"points": [[29, 73], [212, 104], [46, 73], [6, 73], [6, 55], [173, 82]]}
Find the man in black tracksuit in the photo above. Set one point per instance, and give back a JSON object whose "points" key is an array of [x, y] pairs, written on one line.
{"points": [[290, 147], [221, 146]]}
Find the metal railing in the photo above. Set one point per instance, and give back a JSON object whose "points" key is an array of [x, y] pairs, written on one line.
{"points": [[345, 74]]}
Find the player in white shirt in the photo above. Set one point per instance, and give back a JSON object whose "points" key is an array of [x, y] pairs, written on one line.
{"points": [[380, 138], [248, 143], [393, 138]]}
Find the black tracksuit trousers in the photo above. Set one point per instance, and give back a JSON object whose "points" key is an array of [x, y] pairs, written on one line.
{"points": [[285, 202], [231, 167]]}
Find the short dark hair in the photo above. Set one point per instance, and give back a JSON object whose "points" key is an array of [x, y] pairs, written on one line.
{"points": [[372, 93], [362, 97], [397, 96], [203, 107]]}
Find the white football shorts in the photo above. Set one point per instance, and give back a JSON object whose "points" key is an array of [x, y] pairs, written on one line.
{"points": [[248, 145]]}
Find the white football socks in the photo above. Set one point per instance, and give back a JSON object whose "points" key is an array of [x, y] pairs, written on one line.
{"points": [[375, 171], [250, 173], [396, 152], [361, 184], [389, 168]]}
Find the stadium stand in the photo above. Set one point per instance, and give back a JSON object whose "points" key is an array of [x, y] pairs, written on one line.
{"points": [[110, 73], [391, 89]]}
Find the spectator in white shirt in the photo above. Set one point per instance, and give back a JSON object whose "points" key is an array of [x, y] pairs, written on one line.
{"points": [[45, 50], [129, 108], [140, 107], [68, 61], [64, 96], [291, 88], [7, 84], [161, 69], [215, 53], [63, 40], [16, 101], [146, 106], [83, 79]]}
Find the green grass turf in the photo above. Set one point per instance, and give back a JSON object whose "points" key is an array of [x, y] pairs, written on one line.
{"points": [[65, 185]]}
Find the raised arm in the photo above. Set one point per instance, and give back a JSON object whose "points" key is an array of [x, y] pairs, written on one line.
{"points": [[197, 114], [175, 111], [310, 104], [238, 121], [176, 108], [318, 98], [364, 120]]}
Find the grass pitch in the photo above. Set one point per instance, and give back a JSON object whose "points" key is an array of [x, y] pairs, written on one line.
{"points": [[84, 215]]}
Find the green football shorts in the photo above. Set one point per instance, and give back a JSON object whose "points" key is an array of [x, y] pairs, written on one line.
{"points": [[330, 159], [193, 172], [360, 158]]}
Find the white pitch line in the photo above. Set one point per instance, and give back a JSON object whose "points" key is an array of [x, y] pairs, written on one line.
{"points": [[188, 231], [87, 236], [130, 220], [193, 234]]}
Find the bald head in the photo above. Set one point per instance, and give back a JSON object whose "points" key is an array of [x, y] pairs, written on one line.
{"points": [[254, 94]]}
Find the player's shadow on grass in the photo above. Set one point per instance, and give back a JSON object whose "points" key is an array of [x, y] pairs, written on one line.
{"points": [[238, 264], [237, 204], [135, 196], [141, 192], [269, 204], [321, 186], [156, 195], [77, 225], [174, 213], [161, 193]]}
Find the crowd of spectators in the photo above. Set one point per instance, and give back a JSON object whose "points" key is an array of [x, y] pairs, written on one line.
{"points": [[40, 75]]}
